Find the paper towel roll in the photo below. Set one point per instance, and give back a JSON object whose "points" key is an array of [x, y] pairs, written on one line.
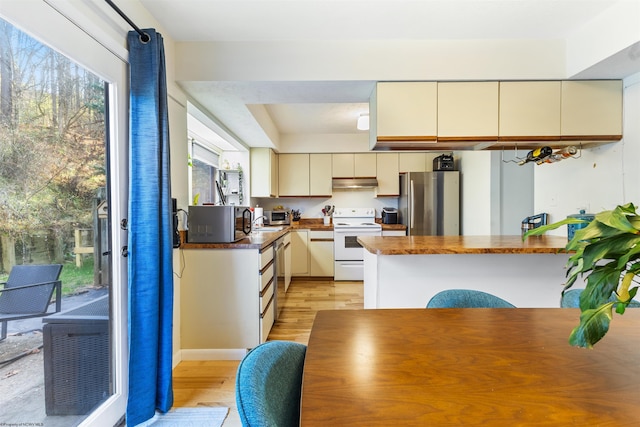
{"points": [[257, 215]]}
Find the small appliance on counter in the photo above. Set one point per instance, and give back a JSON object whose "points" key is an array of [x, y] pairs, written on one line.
{"points": [[572, 228], [533, 221], [443, 162], [218, 224], [389, 215], [277, 217]]}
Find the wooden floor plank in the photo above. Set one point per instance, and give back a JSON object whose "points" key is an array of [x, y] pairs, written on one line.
{"points": [[212, 382]]}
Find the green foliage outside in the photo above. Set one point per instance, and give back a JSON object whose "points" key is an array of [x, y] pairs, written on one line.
{"points": [[52, 148], [74, 279]]}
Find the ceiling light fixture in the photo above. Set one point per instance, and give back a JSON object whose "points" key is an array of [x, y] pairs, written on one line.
{"points": [[363, 122]]}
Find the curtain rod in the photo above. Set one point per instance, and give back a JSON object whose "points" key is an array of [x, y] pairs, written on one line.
{"points": [[144, 37]]}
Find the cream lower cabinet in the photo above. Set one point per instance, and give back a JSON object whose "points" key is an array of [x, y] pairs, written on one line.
{"points": [[394, 233], [321, 258], [227, 301], [299, 252]]}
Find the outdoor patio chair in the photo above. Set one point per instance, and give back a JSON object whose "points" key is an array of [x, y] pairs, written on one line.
{"points": [[27, 293]]}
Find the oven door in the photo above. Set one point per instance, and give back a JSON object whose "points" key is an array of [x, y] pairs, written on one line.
{"points": [[346, 246]]}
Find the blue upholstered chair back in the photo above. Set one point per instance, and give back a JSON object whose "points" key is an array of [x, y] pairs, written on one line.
{"points": [[465, 298], [269, 384], [571, 299]]}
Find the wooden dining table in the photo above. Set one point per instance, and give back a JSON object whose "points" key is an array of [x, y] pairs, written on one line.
{"points": [[476, 366]]}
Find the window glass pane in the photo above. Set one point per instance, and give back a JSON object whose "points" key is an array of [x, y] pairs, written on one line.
{"points": [[203, 177], [53, 178]]}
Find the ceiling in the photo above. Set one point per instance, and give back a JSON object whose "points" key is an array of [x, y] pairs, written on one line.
{"points": [[333, 107]]}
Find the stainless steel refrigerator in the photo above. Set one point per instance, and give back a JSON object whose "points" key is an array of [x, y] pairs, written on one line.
{"points": [[429, 203]]}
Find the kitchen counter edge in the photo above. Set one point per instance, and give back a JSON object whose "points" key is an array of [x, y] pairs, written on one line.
{"points": [[432, 245], [263, 240]]}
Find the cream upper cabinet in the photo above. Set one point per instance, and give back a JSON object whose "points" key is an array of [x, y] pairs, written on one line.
{"points": [[388, 174], [350, 165], [342, 165], [530, 110], [364, 165], [264, 172], [320, 175], [293, 175], [412, 162], [591, 108], [406, 109], [468, 110]]}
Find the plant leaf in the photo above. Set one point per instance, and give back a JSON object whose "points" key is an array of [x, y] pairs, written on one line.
{"points": [[548, 227], [594, 324], [617, 218]]}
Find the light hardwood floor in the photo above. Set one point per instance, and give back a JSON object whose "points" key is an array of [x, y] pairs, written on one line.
{"points": [[212, 383]]}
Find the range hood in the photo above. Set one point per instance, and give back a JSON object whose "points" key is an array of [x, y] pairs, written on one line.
{"points": [[354, 183]]}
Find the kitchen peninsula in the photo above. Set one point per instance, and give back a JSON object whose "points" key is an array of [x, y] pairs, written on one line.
{"points": [[405, 272]]}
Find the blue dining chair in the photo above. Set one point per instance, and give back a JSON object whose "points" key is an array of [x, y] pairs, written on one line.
{"points": [[466, 298], [571, 299], [269, 385]]}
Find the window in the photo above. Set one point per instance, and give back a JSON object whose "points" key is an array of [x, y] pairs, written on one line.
{"points": [[81, 116], [204, 166]]}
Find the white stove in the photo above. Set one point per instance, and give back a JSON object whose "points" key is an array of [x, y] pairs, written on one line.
{"points": [[348, 224]]}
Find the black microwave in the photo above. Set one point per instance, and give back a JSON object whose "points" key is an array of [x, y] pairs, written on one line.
{"points": [[218, 224]]}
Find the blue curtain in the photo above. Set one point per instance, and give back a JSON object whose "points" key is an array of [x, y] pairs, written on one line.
{"points": [[150, 239]]}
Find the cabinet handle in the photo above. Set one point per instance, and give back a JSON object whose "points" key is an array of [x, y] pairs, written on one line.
{"points": [[266, 266], [262, 292], [321, 240], [266, 308]]}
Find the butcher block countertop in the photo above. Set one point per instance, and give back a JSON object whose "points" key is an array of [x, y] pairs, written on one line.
{"points": [[262, 240], [429, 245]]}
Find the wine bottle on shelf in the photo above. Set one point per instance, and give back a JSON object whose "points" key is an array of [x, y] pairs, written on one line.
{"points": [[558, 155], [536, 155]]}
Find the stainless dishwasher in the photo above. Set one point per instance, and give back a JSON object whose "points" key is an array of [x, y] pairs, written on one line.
{"points": [[279, 276]]}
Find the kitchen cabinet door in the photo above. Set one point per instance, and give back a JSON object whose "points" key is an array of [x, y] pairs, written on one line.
{"points": [[342, 165], [300, 253], [364, 165], [388, 175], [320, 175], [530, 110], [293, 175], [264, 172], [467, 111], [321, 261], [406, 109], [412, 162], [591, 109]]}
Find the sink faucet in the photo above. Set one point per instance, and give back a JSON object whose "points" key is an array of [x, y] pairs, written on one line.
{"points": [[256, 219]]}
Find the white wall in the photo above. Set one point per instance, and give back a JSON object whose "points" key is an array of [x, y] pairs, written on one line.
{"points": [[601, 178], [475, 192]]}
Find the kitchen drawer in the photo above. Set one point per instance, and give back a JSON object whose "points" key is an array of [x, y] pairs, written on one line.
{"points": [[287, 238], [321, 235], [266, 294], [265, 276], [266, 320], [265, 256]]}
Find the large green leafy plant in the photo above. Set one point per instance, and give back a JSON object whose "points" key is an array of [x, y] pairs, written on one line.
{"points": [[605, 251]]}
